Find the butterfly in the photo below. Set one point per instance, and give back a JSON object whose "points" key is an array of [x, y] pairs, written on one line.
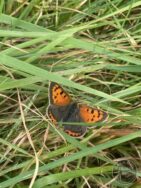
{"points": [[63, 109]]}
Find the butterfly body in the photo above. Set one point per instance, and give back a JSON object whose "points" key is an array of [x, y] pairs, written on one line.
{"points": [[63, 109]]}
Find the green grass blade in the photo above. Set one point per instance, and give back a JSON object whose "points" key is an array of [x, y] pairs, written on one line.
{"points": [[73, 157], [33, 70]]}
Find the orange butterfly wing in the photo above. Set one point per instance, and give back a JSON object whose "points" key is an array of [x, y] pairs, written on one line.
{"points": [[91, 115], [58, 96]]}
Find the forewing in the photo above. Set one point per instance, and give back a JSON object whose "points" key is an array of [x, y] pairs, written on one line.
{"points": [[58, 96]]}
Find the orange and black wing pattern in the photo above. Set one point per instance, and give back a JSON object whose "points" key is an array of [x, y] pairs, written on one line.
{"points": [[59, 101], [58, 96], [51, 116], [91, 115]]}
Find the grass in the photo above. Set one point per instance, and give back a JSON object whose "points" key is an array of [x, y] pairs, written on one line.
{"points": [[91, 48]]}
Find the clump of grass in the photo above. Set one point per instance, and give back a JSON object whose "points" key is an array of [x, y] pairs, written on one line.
{"points": [[92, 48]]}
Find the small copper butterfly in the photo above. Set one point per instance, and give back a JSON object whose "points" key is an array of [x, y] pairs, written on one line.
{"points": [[63, 109]]}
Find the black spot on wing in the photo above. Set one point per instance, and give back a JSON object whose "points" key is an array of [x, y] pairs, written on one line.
{"points": [[56, 88], [92, 111], [61, 92], [98, 114]]}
